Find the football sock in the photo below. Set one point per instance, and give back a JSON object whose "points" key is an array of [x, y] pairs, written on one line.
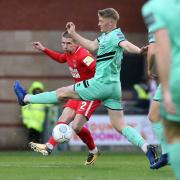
{"points": [[42, 98], [52, 140], [133, 136], [159, 132], [59, 122], [86, 137], [94, 151], [144, 147], [51, 143], [174, 157]]}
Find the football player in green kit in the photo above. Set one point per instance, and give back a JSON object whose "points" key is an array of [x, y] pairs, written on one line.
{"points": [[163, 19], [154, 114], [106, 84]]}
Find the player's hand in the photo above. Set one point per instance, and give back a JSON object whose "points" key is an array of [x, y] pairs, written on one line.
{"points": [[144, 50], [38, 46], [70, 26], [168, 104]]}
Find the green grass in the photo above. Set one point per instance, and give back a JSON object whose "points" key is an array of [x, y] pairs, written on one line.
{"points": [[70, 166]]}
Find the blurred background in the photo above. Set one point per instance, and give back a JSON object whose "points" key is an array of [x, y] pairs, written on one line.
{"points": [[23, 22]]}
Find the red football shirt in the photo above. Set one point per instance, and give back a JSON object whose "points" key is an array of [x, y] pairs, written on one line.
{"points": [[81, 63]]}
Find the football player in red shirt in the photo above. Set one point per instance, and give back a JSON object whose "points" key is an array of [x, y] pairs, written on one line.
{"points": [[82, 67]]}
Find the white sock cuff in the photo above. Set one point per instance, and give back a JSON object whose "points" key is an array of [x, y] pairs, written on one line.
{"points": [[49, 146], [94, 151], [144, 147], [26, 98]]}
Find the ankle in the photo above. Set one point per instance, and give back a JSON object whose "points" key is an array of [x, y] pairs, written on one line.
{"points": [[49, 146], [94, 151]]}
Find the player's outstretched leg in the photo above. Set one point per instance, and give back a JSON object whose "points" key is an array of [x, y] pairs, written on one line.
{"points": [[163, 161], [42, 148], [20, 92]]}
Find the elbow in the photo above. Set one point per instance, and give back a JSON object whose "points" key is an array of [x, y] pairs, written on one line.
{"points": [[92, 47]]}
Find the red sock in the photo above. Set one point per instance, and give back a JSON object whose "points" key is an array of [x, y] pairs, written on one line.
{"points": [[60, 123], [86, 137], [51, 139]]}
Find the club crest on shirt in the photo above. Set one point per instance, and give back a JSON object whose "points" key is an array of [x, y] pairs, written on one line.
{"points": [[120, 35]]}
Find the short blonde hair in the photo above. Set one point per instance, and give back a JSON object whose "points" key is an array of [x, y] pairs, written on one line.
{"points": [[109, 13]]}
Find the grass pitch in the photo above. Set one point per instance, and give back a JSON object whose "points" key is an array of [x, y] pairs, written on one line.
{"points": [[70, 166]]}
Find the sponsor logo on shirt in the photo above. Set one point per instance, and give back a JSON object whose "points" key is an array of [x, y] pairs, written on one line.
{"points": [[88, 60], [74, 72]]}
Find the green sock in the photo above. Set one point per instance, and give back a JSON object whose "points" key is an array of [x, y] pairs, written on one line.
{"points": [[133, 136], [44, 98], [174, 157], [159, 132]]}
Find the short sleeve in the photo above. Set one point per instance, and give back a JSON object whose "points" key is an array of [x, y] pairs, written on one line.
{"points": [[151, 37], [118, 37], [152, 14]]}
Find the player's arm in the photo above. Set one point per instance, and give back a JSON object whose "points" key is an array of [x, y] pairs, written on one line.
{"points": [[129, 47], [88, 44], [55, 55], [52, 54], [163, 57]]}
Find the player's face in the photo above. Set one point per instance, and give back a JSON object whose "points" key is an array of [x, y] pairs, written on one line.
{"points": [[68, 45], [104, 24]]}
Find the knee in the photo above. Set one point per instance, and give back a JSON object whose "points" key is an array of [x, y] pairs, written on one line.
{"points": [[61, 92], [76, 128], [153, 116], [150, 116], [67, 118]]}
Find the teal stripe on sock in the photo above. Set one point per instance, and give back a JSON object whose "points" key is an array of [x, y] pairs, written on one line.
{"points": [[159, 132], [133, 136], [174, 157], [44, 98]]}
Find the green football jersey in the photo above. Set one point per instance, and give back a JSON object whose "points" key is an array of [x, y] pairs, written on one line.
{"points": [[109, 56], [159, 14]]}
